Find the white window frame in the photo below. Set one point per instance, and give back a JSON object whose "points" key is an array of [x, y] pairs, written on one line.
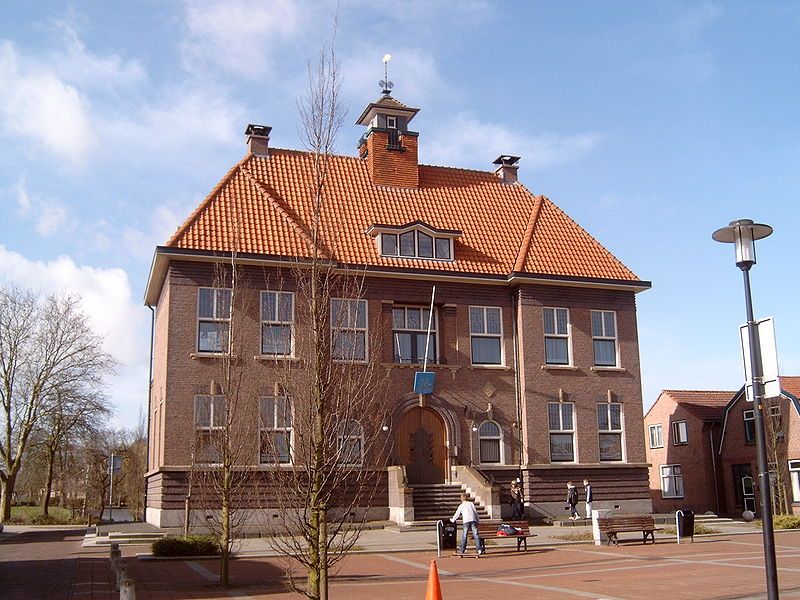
{"points": [[555, 334], [484, 335], [604, 337], [498, 438], [794, 476], [423, 329], [676, 477], [611, 431], [391, 122], [213, 319], [658, 429], [277, 321], [676, 433], [274, 427], [416, 255], [345, 433], [749, 416], [561, 430], [216, 422], [350, 327]]}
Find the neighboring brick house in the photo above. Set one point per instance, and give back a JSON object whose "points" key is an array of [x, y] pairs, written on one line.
{"points": [[702, 453], [683, 430], [738, 451], [535, 340]]}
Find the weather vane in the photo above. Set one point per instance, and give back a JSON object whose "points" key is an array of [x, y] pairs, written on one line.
{"points": [[385, 84]]}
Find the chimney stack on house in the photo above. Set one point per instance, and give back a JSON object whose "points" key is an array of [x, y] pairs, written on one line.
{"points": [[388, 146], [508, 167], [258, 139]]}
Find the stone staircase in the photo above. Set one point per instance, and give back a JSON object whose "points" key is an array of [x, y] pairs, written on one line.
{"points": [[433, 502]]}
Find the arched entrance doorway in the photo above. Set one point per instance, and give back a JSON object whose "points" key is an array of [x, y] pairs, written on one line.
{"points": [[420, 444]]}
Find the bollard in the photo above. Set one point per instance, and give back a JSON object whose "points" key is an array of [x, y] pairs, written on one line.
{"points": [[122, 575], [127, 590]]}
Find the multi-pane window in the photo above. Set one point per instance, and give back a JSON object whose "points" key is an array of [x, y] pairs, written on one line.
{"points": [[349, 329], [489, 441], [794, 475], [604, 338], [277, 318], [486, 335], [410, 334], [350, 444], [560, 416], [656, 436], [209, 419], [680, 433], [416, 244], [609, 425], [275, 414], [749, 426], [556, 336], [213, 319], [671, 481]]}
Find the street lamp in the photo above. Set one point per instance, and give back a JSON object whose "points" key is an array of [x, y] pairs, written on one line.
{"points": [[743, 235]]}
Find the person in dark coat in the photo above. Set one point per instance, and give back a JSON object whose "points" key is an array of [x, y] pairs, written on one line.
{"points": [[588, 497], [572, 500], [517, 500]]}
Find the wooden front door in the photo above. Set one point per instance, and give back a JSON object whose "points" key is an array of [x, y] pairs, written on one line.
{"points": [[421, 446]]}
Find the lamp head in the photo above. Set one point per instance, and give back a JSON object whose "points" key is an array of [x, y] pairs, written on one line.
{"points": [[743, 234]]}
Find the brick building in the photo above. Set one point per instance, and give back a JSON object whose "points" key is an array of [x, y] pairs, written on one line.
{"points": [[701, 448], [534, 336]]}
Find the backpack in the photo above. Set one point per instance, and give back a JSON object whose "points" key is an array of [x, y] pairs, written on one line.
{"points": [[505, 530]]}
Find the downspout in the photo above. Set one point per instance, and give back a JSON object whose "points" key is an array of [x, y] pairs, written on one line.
{"points": [[517, 390], [713, 464], [149, 402]]}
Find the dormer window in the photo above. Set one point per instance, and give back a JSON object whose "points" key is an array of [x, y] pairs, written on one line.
{"points": [[391, 122], [414, 240]]}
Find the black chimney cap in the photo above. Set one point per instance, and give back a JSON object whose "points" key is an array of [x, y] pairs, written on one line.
{"points": [[259, 130], [506, 160]]}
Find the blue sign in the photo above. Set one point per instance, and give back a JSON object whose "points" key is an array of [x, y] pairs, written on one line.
{"points": [[424, 382]]}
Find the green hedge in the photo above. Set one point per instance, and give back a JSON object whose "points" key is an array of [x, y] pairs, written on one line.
{"points": [[194, 545], [786, 522]]}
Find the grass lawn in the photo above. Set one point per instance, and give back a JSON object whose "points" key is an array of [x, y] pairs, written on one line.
{"points": [[32, 515]]}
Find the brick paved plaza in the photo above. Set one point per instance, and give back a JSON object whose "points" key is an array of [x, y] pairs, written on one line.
{"points": [[53, 565]]}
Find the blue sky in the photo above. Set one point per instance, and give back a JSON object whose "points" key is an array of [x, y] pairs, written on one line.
{"points": [[650, 124]]}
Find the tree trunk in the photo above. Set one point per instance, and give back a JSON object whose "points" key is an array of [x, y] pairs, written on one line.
{"points": [[225, 538], [6, 491], [48, 488]]}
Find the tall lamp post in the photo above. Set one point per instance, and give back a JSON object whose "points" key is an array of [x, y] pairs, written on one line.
{"points": [[743, 235]]}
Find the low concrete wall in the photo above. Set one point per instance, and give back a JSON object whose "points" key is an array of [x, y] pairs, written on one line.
{"points": [[401, 497], [476, 484]]}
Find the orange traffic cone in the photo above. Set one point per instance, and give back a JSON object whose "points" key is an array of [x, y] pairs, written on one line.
{"points": [[434, 591]]}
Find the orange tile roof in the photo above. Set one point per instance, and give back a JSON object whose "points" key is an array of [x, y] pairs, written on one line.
{"points": [[264, 205], [790, 384], [705, 405]]}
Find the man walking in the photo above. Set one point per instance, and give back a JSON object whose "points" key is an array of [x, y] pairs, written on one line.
{"points": [[469, 516], [587, 488]]}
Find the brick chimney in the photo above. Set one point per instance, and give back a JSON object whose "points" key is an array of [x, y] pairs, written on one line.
{"points": [[257, 137], [388, 146], [507, 168]]}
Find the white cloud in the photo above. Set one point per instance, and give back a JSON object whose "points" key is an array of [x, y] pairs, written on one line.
{"points": [[36, 104], [466, 141], [50, 216], [237, 36], [163, 221], [698, 17]]}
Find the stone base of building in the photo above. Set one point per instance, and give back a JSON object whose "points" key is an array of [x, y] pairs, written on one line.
{"points": [[552, 511]]}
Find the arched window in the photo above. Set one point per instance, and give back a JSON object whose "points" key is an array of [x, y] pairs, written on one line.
{"points": [[350, 444], [490, 440]]}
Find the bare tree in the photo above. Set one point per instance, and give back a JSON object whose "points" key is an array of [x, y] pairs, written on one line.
{"points": [[45, 346], [775, 435], [131, 484], [327, 413], [223, 442], [72, 413]]}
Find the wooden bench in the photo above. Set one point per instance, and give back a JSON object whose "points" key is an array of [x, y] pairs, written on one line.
{"points": [[489, 531], [612, 526]]}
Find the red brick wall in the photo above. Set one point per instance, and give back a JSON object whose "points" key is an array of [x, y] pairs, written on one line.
{"points": [[397, 168], [695, 459]]}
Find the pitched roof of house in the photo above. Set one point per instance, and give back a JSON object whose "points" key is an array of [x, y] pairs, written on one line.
{"points": [[263, 206], [703, 404]]}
